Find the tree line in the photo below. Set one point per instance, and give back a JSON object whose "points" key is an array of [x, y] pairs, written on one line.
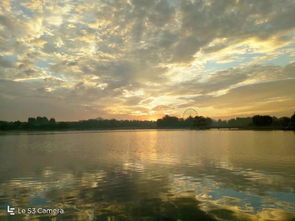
{"points": [[255, 122], [198, 122], [43, 123]]}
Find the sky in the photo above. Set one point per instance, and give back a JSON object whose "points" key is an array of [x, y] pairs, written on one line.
{"points": [[142, 59]]}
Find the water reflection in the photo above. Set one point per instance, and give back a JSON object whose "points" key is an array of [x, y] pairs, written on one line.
{"points": [[150, 175]]}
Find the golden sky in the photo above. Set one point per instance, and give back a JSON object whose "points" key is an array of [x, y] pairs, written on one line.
{"points": [[140, 59]]}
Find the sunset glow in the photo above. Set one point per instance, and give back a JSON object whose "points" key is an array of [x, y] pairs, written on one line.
{"points": [[143, 59]]}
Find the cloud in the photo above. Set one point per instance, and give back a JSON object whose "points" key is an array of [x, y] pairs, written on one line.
{"points": [[89, 53], [5, 63], [249, 95]]}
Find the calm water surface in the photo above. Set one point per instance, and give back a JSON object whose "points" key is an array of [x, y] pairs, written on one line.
{"points": [[150, 175]]}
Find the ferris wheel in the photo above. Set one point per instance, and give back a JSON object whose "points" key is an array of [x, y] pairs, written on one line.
{"points": [[190, 112]]}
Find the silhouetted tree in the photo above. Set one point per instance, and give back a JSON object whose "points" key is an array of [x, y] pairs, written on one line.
{"points": [[42, 123], [168, 122], [202, 122], [42, 120], [262, 121], [31, 120], [219, 123], [239, 122], [292, 123], [189, 122], [283, 122]]}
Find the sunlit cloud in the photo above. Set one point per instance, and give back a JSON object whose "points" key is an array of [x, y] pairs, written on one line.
{"points": [[125, 59]]}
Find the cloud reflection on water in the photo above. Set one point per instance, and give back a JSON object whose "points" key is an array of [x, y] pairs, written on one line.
{"points": [[157, 174]]}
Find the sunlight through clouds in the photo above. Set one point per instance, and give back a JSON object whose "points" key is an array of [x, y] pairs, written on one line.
{"points": [[125, 58]]}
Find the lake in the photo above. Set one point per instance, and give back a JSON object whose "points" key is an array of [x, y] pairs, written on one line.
{"points": [[149, 175]]}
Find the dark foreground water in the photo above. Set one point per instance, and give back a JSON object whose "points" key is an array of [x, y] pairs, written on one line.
{"points": [[149, 175]]}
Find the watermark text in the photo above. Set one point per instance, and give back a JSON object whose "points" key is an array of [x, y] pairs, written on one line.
{"points": [[34, 211]]}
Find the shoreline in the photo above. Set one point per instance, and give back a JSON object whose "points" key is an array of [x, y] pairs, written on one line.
{"points": [[133, 129]]}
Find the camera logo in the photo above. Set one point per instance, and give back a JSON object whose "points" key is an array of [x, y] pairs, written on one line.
{"points": [[10, 210]]}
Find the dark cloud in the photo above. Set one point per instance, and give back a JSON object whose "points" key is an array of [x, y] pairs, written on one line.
{"points": [[5, 63]]}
